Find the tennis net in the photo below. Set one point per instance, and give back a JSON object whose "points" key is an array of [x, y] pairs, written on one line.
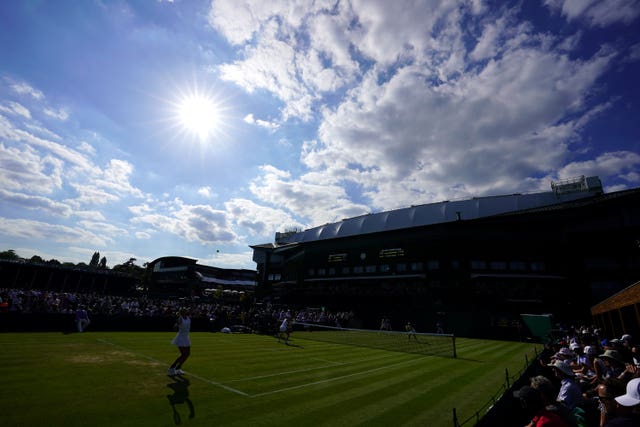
{"points": [[443, 345]]}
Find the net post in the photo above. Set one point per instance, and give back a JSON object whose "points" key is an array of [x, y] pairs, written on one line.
{"points": [[506, 375], [455, 418], [453, 338]]}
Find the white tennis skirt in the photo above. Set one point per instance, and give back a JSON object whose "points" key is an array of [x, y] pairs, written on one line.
{"points": [[181, 340]]}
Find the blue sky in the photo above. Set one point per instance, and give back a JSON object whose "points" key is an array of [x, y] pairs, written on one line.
{"points": [[197, 128]]}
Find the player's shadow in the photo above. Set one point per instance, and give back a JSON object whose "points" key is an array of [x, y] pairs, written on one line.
{"points": [[290, 344], [180, 387]]}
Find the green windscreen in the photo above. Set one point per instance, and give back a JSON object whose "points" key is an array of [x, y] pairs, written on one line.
{"points": [[539, 325]]}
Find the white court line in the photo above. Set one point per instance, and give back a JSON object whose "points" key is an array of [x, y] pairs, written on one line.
{"points": [[286, 373], [333, 379], [217, 384], [331, 364]]}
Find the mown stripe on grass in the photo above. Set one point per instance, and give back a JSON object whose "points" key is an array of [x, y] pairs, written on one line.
{"points": [[215, 383], [333, 379]]}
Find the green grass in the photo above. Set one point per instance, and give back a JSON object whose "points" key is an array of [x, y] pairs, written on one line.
{"points": [[119, 378]]}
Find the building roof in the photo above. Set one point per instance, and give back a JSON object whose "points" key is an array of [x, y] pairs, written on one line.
{"points": [[448, 211], [626, 297]]}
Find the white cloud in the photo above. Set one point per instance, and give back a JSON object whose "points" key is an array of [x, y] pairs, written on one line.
{"points": [[275, 59], [140, 209], [42, 131], [262, 123], [271, 65], [59, 114], [195, 223], [43, 205], [597, 13], [142, 235], [10, 133], [25, 89], [16, 109], [622, 164], [230, 260], [317, 203], [115, 177], [634, 52], [85, 147], [259, 220], [88, 194], [91, 215], [38, 230], [23, 169], [103, 228], [491, 129], [205, 192]]}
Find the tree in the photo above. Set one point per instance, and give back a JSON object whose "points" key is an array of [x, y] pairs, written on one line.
{"points": [[131, 268], [36, 259], [103, 263], [95, 259], [9, 254]]}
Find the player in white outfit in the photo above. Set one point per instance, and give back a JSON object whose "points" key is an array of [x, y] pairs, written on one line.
{"points": [[182, 341], [284, 330]]}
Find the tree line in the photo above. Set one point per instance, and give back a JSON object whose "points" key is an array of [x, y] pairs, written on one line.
{"points": [[96, 263]]}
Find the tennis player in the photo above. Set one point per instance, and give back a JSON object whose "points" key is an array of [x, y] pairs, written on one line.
{"points": [[182, 341], [284, 330], [411, 332], [82, 318]]}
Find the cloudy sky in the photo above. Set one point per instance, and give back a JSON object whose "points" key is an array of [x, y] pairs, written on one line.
{"points": [[197, 128]]}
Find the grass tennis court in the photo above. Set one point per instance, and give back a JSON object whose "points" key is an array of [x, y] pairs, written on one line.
{"points": [[119, 378]]}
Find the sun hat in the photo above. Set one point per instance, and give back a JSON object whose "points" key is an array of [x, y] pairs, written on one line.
{"points": [[613, 355], [565, 353], [632, 397], [562, 366], [589, 350]]}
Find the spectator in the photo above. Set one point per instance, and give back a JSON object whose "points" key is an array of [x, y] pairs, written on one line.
{"points": [[607, 391], [548, 393], [614, 364], [570, 394], [533, 409], [628, 409], [583, 366]]}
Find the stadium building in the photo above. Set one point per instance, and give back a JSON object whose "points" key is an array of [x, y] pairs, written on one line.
{"points": [[174, 276], [473, 265]]}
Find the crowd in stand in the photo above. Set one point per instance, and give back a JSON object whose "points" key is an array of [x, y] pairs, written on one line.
{"points": [[42, 302], [586, 380]]}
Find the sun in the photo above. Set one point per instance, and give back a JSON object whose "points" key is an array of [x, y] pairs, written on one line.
{"points": [[199, 114]]}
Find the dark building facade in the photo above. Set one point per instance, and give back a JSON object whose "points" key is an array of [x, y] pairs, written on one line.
{"points": [[472, 265]]}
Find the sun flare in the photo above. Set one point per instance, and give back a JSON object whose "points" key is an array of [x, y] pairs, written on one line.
{"points": [[199, 114]]}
